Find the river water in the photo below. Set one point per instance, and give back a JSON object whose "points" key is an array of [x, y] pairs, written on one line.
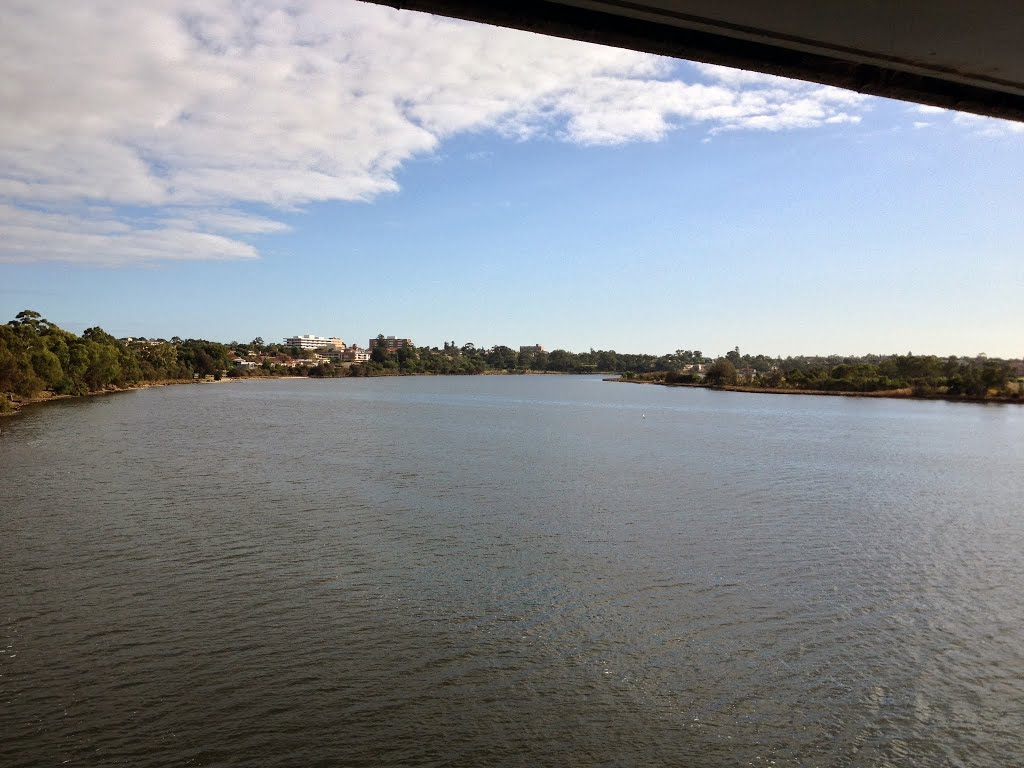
{"points": [[513, 571]]}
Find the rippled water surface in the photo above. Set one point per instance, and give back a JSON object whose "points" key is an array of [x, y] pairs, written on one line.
{"points": [[515, 571]]}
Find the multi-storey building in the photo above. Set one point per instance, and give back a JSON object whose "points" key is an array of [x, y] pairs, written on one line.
{"points": [[314, 342], [390, 343]]}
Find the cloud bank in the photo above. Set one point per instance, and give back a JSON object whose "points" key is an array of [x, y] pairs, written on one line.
{"points": [[140, 133]]}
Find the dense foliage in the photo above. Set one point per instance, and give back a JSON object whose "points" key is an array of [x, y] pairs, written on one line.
{"points": [[469, 359], [923, 376], [918, 375], [36, 356]]}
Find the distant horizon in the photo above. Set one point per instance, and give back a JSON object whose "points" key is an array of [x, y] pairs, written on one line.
{"points": [[346, 165]]}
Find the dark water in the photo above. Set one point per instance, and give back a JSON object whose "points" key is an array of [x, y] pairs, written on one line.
{"points": [[512, 571]]}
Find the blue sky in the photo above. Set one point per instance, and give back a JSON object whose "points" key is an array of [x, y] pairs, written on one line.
{"points": [[345, 169]]}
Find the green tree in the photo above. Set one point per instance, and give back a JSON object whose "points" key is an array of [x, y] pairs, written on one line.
{"points": [[31, 320], [721, 372], [994, 375], [406, 357], [559, 360], [607, 361]]}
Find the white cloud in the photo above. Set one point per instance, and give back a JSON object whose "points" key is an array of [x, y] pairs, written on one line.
{"points": [[224, 221], [978, 125], [988, 126], [179, 106], [103, 239], [740, 77]]}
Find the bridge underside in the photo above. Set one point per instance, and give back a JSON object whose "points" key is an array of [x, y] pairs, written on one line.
{"points": [[945, 53]]}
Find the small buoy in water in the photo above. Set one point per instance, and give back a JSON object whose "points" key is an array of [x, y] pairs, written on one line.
{"points": [[643, 415]]}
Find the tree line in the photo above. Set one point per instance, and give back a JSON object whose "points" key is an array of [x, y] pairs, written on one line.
{"points": [[37, 355], [917, 375], [470, 359]]}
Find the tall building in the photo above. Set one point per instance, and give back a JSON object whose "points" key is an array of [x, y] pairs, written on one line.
{"points": [[314, 342], [390, 343]]}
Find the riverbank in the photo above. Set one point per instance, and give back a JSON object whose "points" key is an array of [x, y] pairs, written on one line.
{"points": [[891, 394], [18, 403]]}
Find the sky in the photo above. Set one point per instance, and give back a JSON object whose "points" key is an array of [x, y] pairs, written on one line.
{"points": [[228, 170]]}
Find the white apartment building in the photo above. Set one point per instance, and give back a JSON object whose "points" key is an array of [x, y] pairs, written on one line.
{"points": [[314, 342]]}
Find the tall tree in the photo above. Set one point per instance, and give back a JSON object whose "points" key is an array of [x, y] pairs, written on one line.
{"points": [[721, 372]]}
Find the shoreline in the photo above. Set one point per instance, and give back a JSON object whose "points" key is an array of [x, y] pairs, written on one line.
{"points": [[889, 394], [52, 397], [893, 394], [17, 405]]}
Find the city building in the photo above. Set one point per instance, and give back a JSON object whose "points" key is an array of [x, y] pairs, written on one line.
{"points": [[314, 342], [390, 343], [353, 354], [356, 355]]}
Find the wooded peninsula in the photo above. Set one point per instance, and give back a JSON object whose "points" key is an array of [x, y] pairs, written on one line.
{"points": [[39, 360]]}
